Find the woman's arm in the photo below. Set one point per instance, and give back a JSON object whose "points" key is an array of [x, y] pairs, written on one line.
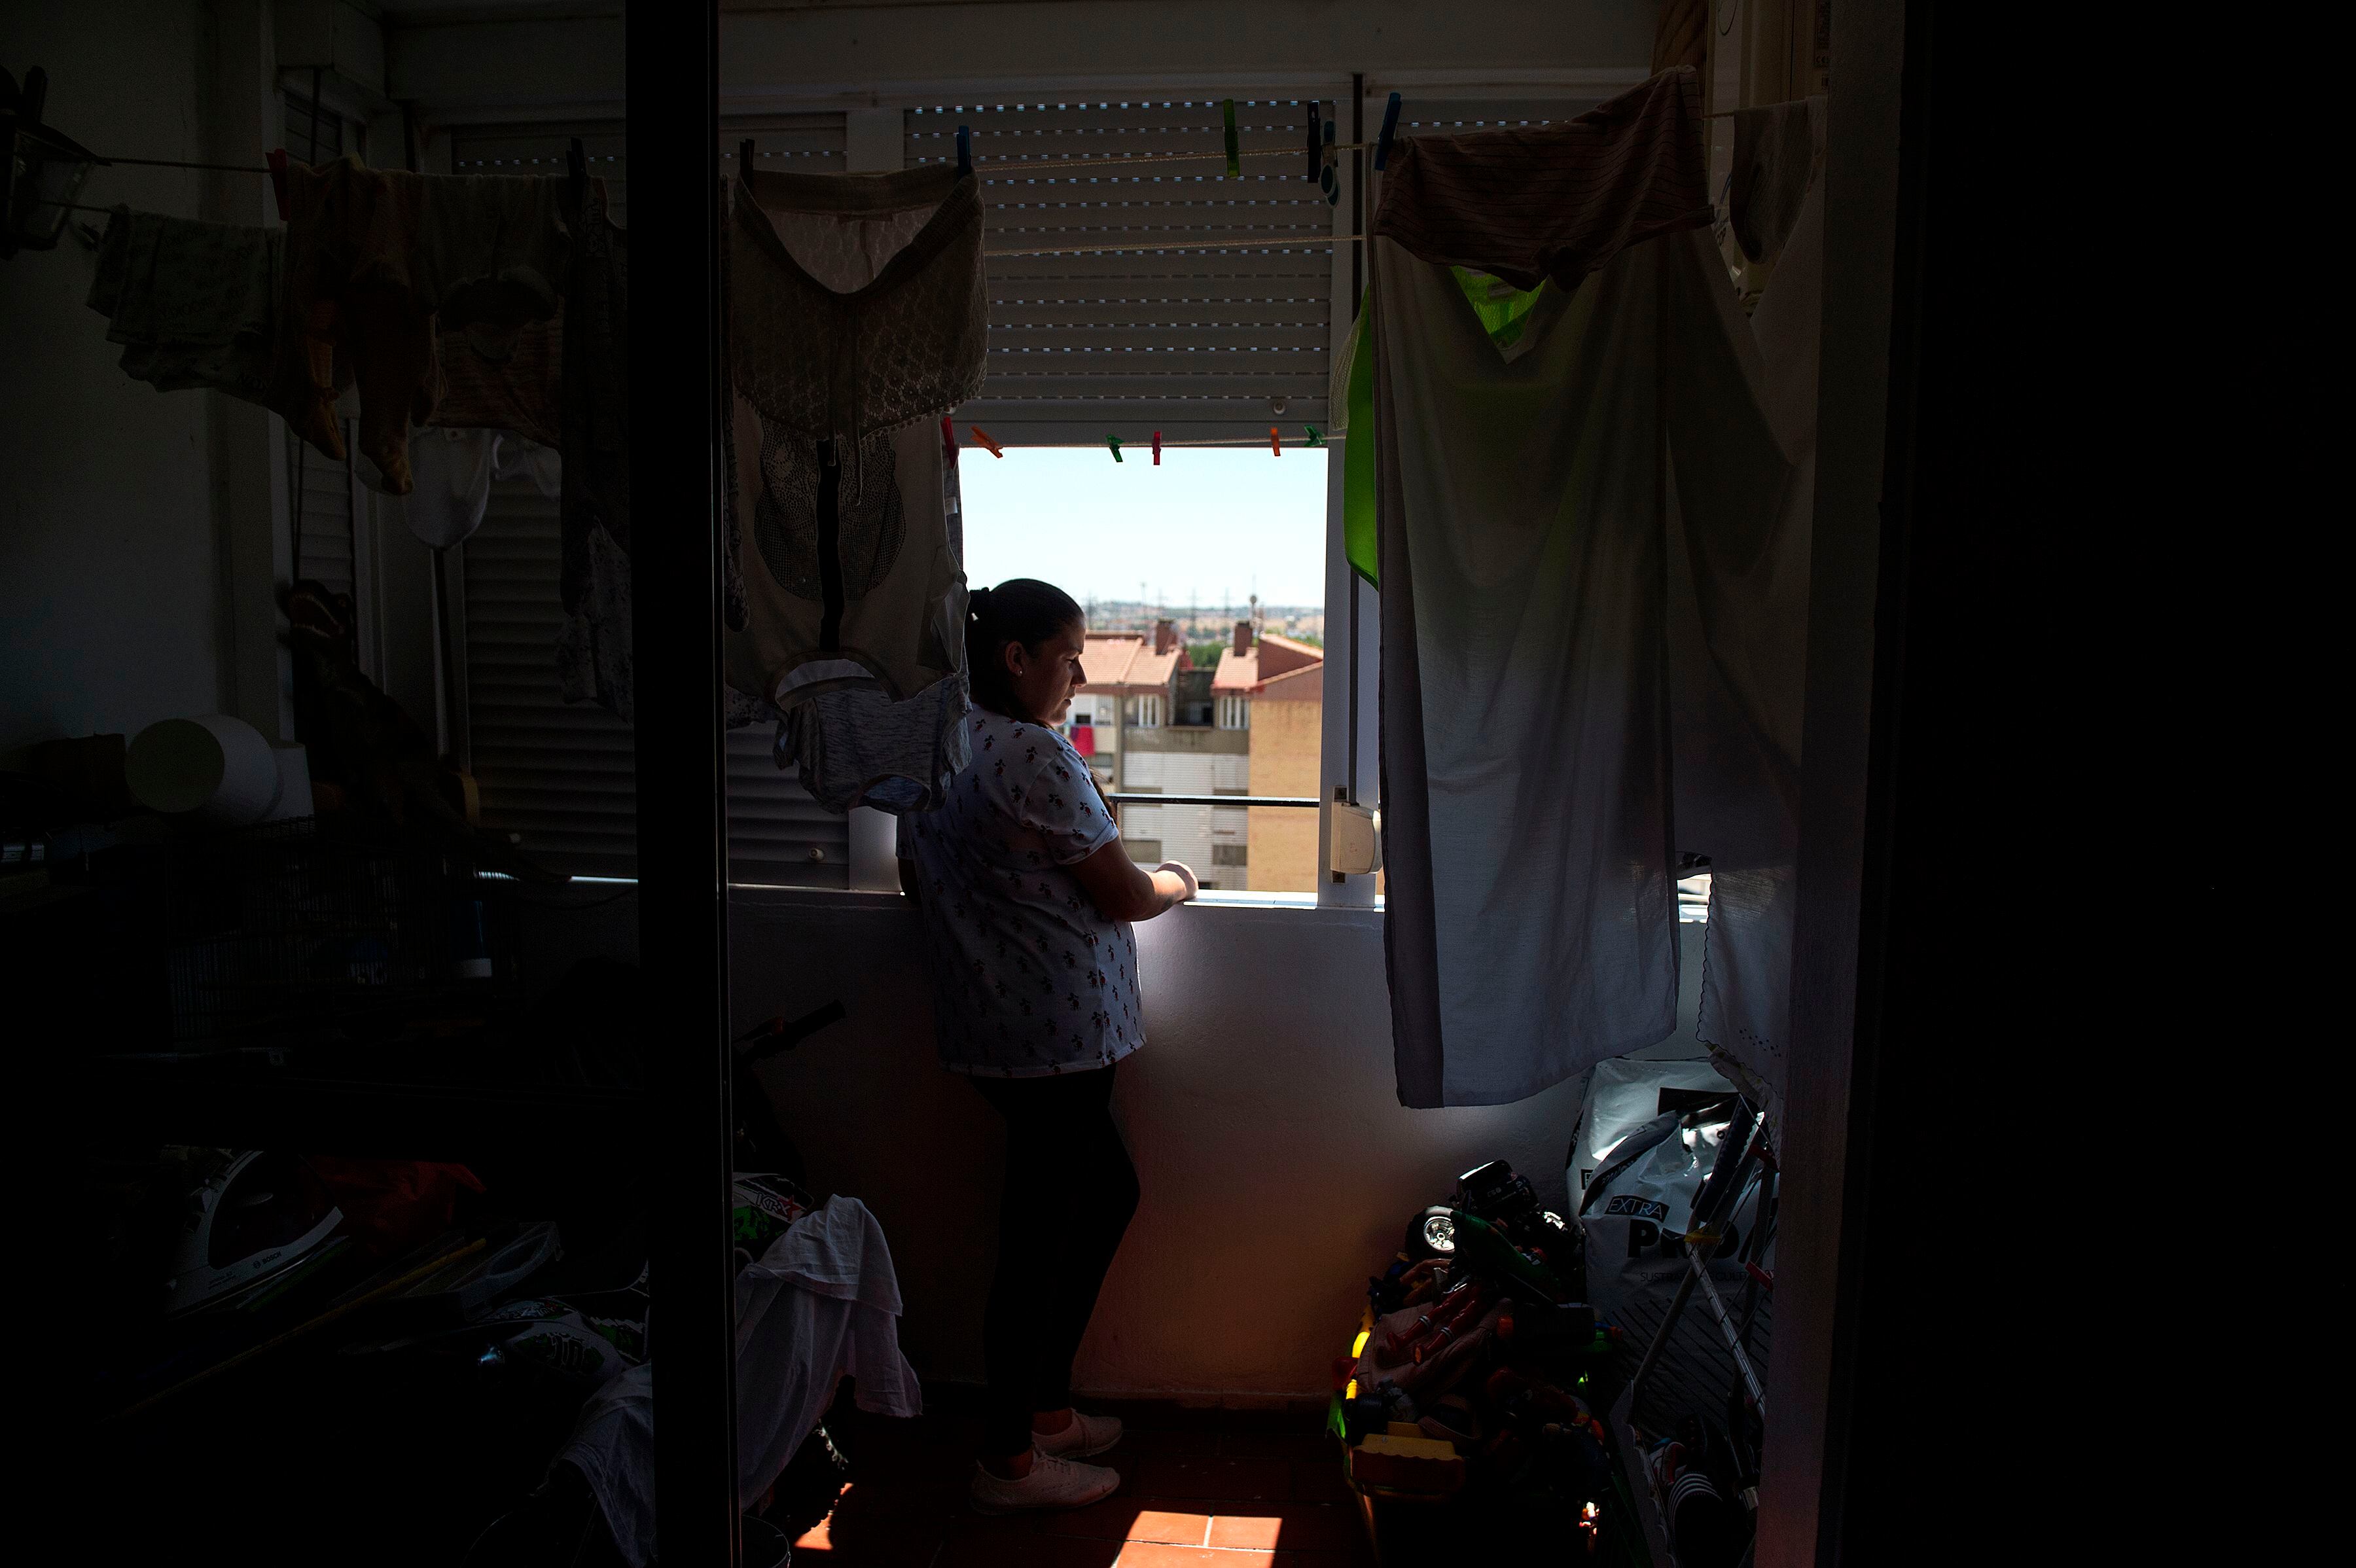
{"points": [[1123, 890]]}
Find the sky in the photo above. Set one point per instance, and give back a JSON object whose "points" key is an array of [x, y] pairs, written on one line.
{"points": [[1210, 526]]}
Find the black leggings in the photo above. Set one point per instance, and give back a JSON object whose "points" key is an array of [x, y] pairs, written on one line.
{"points": [[1070, 1191]]}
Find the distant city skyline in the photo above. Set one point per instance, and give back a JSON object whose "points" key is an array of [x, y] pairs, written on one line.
{"points": [[1207, 530]]}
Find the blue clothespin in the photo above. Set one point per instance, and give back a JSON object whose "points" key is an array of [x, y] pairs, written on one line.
{"points": [[1391, 127], [965, 150]]}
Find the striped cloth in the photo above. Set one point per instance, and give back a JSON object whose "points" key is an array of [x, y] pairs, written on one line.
{"points": [[1558, 201]]}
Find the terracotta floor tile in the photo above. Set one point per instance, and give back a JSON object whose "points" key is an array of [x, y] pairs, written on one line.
{"points": [[1252, 1479], [1139, 1554], [877, 1525], [1131, 1519], [1288, 1527], [1304, 1446], [1025, 1551], [1320, 1481], [1185, 1441]]}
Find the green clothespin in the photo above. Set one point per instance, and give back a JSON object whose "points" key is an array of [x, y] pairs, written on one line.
{"points": [[1316, 437], [1114, 442], [1234, 154]]}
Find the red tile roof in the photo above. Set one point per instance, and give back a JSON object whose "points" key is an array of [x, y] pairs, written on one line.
{"points": [[1124, 659], [1271, 658]]}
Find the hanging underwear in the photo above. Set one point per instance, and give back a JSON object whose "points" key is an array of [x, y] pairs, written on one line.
{"points": [[856, 317]]}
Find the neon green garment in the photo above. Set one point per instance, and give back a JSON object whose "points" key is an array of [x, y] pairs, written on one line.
{"points": [[1503, 311]]}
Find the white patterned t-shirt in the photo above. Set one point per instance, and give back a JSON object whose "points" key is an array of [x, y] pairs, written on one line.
{"points": [[1028, 977]]}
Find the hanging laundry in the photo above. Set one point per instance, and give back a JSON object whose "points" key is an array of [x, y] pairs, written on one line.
{"points": [[856, 317], [822, 1303], [1738, 668], [518, 390], [856, 747], [1531, 924], [452, 472], [376, 259], [194, 304], [1779, 150], [592, 650]]}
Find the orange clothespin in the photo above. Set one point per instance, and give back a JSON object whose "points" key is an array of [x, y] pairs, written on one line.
{"points": [[1157, 448], [278, 182], [1275, 445], [986, 444]]}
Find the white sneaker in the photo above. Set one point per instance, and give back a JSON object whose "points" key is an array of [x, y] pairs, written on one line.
{"points": [[1053, 1483], [1087, 1434]]}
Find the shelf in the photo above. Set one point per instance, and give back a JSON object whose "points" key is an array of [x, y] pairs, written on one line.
{"points": [[202, 1102]]}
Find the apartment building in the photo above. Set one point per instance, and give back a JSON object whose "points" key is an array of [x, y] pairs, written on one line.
{"points": [[1271, 689]]}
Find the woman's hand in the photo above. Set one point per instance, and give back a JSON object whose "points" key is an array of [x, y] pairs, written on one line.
{"points": [[1123, 890], [1185, 874]]}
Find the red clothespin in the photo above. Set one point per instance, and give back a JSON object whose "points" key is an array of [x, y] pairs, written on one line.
{"points": [[1157, 448], [987, 445], [948, 442], [278, 182], [1274, 444]]}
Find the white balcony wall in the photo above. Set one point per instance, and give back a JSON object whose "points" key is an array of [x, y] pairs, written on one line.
{"points": [[1278, 1166]]}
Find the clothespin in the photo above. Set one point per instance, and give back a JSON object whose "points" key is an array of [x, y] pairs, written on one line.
{"points": [[278, 182], [1329, 178], [745, 158], [982, 438], [965, 150], [948, 442], [1316, 437], [1316, 145], [1235, 153], [1274, 444], [1114, 442], [1390, 128], [1157, 448]]}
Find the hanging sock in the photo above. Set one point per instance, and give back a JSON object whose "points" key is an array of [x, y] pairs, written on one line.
{"points": [[1114, 442]]}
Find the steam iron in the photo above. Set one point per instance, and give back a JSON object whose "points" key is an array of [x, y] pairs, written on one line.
{"points": [[254, 1219]]}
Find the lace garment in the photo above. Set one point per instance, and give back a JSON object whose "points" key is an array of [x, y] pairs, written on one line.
{"points": [[857, 315]]}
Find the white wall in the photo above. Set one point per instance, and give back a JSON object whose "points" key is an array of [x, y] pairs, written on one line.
{"points": [[1278, 1168], [111, 613]]}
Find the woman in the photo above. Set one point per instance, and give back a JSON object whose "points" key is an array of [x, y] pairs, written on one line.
{"points": [[1027, 895]]}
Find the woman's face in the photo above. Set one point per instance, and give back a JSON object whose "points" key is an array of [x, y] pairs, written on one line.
{"points": [[1043, 678]]}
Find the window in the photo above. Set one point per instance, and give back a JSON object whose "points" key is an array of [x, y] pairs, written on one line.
{"points": [[1235, 713], [1229, 854], [1145, 713]]}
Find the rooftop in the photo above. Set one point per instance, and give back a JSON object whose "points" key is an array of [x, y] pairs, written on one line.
{"points": [[1270, 657], [1116, 660]]}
